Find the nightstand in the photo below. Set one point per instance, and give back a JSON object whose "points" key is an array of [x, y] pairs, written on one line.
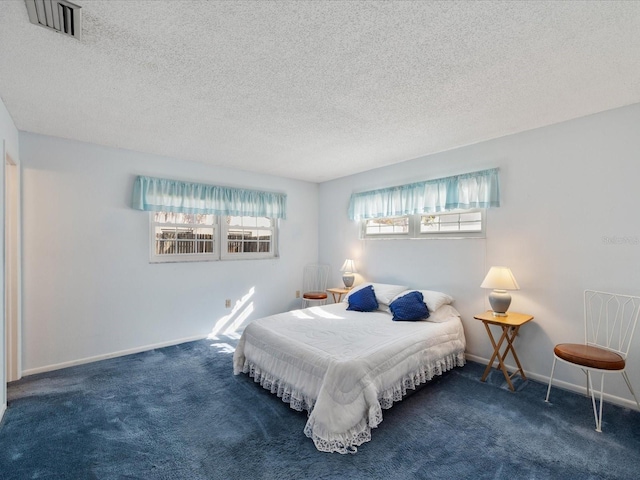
{"points": [[510, 324], [339, 292]]}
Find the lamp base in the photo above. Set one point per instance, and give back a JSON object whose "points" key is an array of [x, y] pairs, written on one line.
{"points": [[348, 280], [499, 301]]}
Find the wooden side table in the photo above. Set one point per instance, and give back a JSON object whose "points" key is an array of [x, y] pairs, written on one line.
{"points": [[339, 292], [510, 324]]}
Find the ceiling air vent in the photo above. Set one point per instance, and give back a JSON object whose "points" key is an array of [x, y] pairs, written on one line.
{"points": [[58, 15]]}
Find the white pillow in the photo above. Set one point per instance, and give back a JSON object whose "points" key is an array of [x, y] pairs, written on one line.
{"points": [[435, 300], [385, 293], [443, 314]]}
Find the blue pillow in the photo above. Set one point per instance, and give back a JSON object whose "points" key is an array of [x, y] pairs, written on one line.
{"points": [[409, 307], [364, 300]]}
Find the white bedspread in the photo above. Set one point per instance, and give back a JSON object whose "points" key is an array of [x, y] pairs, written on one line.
{"points": [[344, 367]]}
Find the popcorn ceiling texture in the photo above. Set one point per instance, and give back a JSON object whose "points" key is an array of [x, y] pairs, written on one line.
{"points": [[315, 90]]}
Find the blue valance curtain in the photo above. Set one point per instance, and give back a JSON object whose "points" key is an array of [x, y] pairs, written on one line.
{"points": [[470, 190], [162, 195]]}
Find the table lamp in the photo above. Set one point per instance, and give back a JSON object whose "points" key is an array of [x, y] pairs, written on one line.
{"points": [[500, 279], [349, 268]]}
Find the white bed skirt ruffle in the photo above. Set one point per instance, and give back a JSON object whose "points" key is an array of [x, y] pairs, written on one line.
{"points": [[348, 441]]}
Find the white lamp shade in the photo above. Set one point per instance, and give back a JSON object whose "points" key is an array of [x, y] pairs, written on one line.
{"points": [[500, 278], [348, 266]]}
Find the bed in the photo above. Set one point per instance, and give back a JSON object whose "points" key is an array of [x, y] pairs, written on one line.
{"points": [[343, 366]]}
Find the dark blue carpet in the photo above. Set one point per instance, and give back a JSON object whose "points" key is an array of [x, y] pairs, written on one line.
{"points": [[179, 413]]}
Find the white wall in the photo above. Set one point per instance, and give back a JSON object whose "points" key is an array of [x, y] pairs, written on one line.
{"points": [[89, 290], [88, 287], [8, 145], [564, 188]]}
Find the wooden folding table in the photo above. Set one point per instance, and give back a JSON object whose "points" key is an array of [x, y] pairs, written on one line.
{"points": [[510, 325]]}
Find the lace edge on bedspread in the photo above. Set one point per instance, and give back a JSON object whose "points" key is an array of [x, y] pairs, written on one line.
{"points": [[409, 382], [294, 397], [347, 442]]}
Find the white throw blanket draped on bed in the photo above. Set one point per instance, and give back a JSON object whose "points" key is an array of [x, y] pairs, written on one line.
{"points": [[344, 367]]}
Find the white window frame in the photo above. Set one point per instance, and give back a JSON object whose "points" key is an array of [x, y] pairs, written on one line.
{"points": [[224, 233], [408, 234], [461, 232], [182, 257], [220, 242], [415, 233]]}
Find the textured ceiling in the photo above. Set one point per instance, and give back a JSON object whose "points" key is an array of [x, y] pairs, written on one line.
{"points": [[315, 90]]}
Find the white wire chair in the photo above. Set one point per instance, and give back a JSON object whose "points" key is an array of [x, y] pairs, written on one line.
{"points": [[314, 285], [609, 324]]}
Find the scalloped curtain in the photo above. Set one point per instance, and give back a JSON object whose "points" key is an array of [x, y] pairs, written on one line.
{"points": [[470, 190], [162, 195]]}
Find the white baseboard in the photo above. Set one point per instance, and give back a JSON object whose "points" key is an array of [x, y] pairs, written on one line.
{"points": [[3, 408], [121, 353], [623, 402]]}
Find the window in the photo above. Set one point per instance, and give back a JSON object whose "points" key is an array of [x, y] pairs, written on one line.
{"points": [[458, 222], [180, 237], [387, 226], [451, 224], [248, 237]]}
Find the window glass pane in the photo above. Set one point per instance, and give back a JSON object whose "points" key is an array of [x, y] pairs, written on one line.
{"points": [[429, 223], [205, 247], [203, 219], [469, 221], [192, 234], [244, 236], [164, 241], [250, 246], [234, 246], [450, 219], [184, 247], [165, 232], [164, 217], [264, 247], [249, 234], [165, 247], [386, 226], [187, 218], [470, 217], [451, 222], [185, 233], [472, 227], [175, 234], [449, 227], [204, 233], [235, 221], [263, 222]]}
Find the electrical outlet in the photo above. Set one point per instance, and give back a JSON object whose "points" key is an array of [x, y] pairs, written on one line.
{"points": [[297, 293], [227, 303]]}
